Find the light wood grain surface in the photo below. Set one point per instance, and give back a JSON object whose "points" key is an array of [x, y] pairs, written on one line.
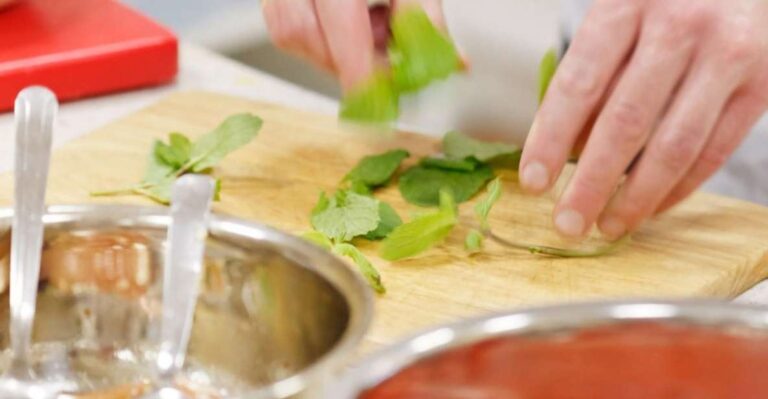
{"points": [[710, 246]]}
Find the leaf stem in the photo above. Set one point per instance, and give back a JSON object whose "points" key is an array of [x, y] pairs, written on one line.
{"points": [[113, 193], [122, 191], [142, 189], [561, 252], [150, 195]]}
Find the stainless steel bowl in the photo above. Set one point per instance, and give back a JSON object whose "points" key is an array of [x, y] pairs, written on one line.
{"points": [[276, 317], [553, 324]]}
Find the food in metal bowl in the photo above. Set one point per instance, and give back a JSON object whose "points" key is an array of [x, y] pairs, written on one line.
{"points": [[274, 318], [608, 351]]}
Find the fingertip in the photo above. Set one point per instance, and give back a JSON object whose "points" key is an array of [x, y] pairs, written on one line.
{"points": [[612, 227], [535, 177], [570, 223]]}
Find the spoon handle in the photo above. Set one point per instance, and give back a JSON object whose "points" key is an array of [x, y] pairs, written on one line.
{"points": [[35, 110], [190, 208]]}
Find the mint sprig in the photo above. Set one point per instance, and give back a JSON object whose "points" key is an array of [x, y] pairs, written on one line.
{"points": [[179, 156]]}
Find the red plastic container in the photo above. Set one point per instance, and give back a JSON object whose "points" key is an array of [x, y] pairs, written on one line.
{"points": [[79, 48]]}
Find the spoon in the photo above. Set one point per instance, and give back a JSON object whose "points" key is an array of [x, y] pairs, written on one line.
{"points": [[190, 208], [35, 110]]}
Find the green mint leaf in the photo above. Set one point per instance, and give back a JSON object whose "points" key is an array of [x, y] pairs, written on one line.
{"points": [[177, 153], [318, 239], [322, 204], [157, 168], [419, 52], [235, 132], [547, 69], [364, 265], [376, 102], [359, 187], [474, 241], [459, 146], [466, 165], [421, 233], [389, 220], [447, 202], [181, 143], [483, 208], [421, 186], [346, 215], [180, 156], [377, 170]]}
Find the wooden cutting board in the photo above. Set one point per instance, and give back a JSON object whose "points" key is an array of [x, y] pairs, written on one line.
{"points": [[709, 246]]}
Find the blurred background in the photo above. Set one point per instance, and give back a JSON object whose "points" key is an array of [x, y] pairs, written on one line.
{"points": [[234, 28], [501, 38]]}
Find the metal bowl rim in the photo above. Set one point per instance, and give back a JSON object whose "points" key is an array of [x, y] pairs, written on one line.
{"points": [[383, 364], [348, 283]]}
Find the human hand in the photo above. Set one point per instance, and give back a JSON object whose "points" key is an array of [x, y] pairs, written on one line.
{"points": [[678, 83], [339, 36]]}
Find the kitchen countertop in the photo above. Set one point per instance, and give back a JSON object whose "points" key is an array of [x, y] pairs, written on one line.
{"points": [[203, 70]]}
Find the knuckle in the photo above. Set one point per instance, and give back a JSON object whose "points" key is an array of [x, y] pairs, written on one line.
{"points": [[628, 120], [592, 189], [289, 26], [630, 207], [681, 23], [617, 8], [741, 48], [676, 151], [578, 79]]}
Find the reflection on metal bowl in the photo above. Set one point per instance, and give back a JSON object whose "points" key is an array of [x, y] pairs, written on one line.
{"points": [[276, 316], [590, 351]]}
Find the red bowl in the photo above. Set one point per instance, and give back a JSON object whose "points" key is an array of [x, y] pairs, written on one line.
{"points": [[597, 351]]}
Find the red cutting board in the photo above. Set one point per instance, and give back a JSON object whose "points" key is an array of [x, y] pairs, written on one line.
{"points": [[79, 48]]}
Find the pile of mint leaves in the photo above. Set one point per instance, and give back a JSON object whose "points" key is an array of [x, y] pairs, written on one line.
{"points": [[419, 54], [168, 161], [466, 166]]}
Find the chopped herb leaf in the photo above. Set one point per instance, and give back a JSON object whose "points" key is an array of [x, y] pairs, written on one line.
{"points": [[474, 241], [466, 165], [177, 153], [421, 233], [366, 267], [377, 170], [421, 186], [483, 208], [345, 215], [389, 220], [235, 132], [419, 52], [459, 146], [359, 187], [376, 101]]}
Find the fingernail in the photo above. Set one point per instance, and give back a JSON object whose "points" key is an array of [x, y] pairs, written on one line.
{"points": [[570, 223], [535, 177], [613, 227]]}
